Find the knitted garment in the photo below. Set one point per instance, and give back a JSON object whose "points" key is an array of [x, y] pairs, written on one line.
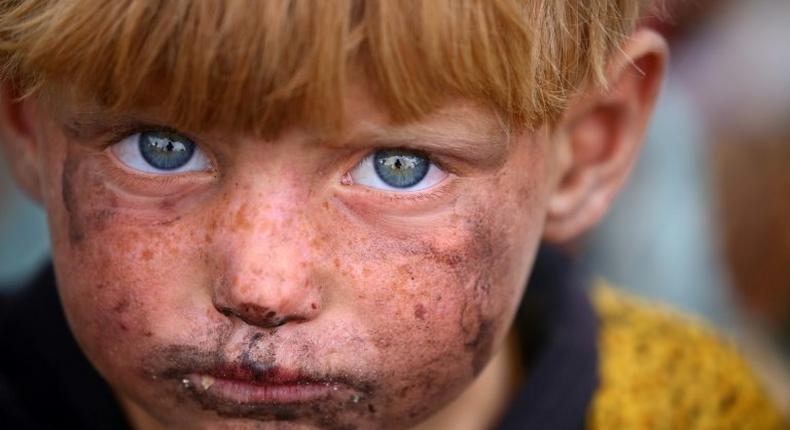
{"points": [[662, 370]]}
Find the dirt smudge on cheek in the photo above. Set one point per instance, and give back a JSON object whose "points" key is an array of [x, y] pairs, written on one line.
{"points": [[79, 219], [478, 324], [481, 346], [475, 266], [467, 258], [70, 202]]}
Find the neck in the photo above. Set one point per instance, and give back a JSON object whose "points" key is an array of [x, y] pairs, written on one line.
{"points": [[137, 417]]}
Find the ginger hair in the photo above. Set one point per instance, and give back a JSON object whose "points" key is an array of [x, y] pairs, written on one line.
{"points": [[255, 66]]}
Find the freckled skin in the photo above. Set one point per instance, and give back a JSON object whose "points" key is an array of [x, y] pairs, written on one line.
{"points": [[268, 263]]}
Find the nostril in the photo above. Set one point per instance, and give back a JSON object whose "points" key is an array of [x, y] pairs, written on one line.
{"points": [[225, 311], [258, 316]]}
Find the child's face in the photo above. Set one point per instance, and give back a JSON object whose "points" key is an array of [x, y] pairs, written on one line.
{"points": [[280, 279]]}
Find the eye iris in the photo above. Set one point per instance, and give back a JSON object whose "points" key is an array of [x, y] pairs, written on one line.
{"points": [[166, 151], [400, 169]]}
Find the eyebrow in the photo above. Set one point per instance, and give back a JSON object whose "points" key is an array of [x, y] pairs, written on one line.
{"points": [[89, 123], [485, 145]]}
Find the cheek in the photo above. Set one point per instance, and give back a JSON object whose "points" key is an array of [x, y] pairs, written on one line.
{"points": [[119, 278], [118, 287], [437, 304]]}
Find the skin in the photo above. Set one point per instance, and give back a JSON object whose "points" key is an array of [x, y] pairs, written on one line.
{"points": [[276, 259]]}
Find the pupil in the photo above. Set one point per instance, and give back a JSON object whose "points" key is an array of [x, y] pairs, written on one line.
{"points": [[399, 168], [165, 151]]}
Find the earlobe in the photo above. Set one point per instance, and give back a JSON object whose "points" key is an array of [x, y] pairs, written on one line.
{"points": [[18, 141], [598, 139]]}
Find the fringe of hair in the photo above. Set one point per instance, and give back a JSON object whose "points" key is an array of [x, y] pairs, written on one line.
{"points": [[257, 66]]}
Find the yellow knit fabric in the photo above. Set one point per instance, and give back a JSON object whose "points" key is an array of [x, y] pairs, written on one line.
{"points": [[661, 370]]}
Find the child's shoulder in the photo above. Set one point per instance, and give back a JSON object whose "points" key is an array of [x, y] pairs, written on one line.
{"points": [[664, 370]]}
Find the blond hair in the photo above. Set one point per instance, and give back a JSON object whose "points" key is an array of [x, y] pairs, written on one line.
{"points": [[255, 66]]}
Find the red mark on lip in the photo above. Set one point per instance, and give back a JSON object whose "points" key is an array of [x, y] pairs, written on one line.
{"points": [[250, 375]]}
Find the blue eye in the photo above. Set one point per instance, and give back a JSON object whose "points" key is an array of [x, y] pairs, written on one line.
{"points": [[397, 170], [160, 152], [165, 151], [400, 169]]}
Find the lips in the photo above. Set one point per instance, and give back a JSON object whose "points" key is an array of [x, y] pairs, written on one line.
{"points": [[255, 388], [275, 385], [256, 376]]}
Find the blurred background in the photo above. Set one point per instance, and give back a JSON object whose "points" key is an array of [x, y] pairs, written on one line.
{"points": [[24, 241], [705, 221]]}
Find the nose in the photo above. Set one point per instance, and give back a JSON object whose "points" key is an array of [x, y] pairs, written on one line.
{"points": [[262, 316], [265, 266]]}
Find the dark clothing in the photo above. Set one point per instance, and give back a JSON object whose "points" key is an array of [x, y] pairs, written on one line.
{"points": [[559, 329], [46, 382]]}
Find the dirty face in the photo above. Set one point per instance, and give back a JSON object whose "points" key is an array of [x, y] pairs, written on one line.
{"points": [[358, 281]]}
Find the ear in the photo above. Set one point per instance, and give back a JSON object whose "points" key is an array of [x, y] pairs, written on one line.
{"points": [[18, 139], [597, 140]]}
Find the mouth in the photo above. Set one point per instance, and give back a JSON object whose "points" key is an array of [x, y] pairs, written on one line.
{"points": [[259, 389], [274, 386]]}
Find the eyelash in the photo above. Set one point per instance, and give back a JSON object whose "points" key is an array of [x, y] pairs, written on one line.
{"points": [[433, 193], [436, 161], [116, 134]]}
